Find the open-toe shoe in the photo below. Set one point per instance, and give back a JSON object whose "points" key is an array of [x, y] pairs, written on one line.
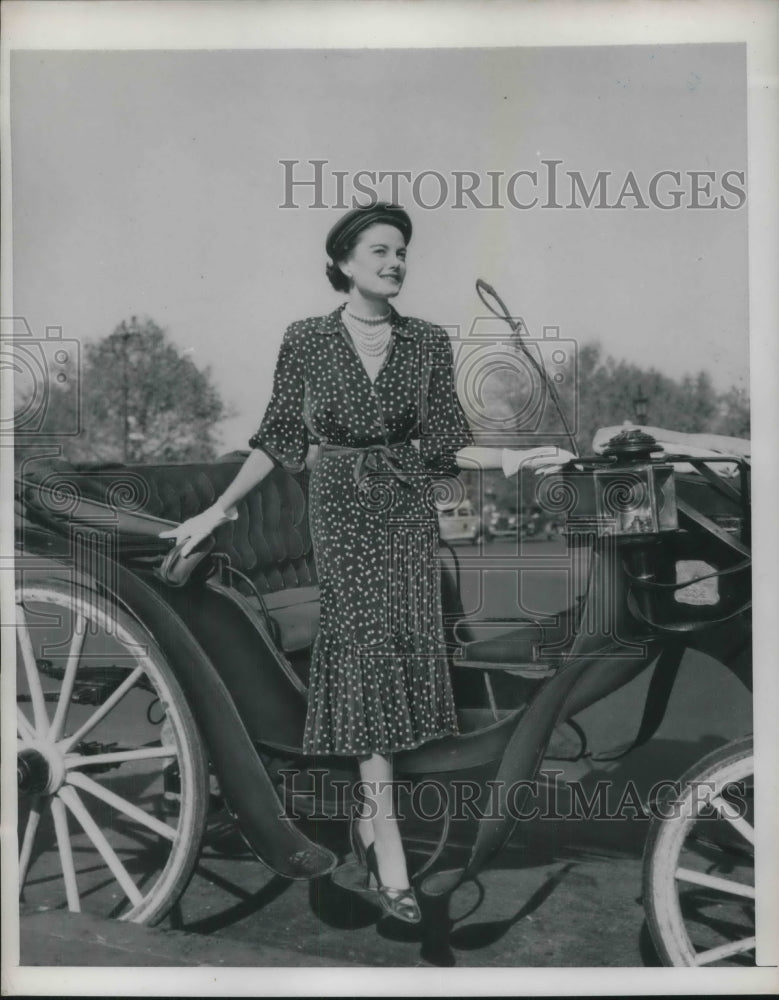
{"points": [[399, 903]]}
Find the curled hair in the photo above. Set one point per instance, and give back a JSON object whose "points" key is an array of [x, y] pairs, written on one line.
{"points": [[336, 277]]}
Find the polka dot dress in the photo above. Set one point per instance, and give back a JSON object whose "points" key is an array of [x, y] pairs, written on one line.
{"points": [[379, 679]]}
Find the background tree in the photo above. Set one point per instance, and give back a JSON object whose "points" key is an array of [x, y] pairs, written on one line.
{"points": [[732, 414], [140, 401], [608, 391]]}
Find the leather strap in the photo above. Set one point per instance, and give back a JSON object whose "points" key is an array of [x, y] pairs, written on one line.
{"points": [[674, 628], [657, 697], [638, 581], [691, 514]]}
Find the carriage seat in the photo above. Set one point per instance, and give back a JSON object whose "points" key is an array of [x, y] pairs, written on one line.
{"points": [[269, 544], [529, 649]]}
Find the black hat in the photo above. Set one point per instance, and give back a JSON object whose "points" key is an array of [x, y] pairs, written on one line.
{"points": [[353, 223]]}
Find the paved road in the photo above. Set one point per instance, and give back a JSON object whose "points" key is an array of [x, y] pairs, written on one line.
{"points": [[565, 892]]}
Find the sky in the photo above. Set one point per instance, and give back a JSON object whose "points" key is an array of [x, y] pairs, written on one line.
{"points": [[149, 183]]}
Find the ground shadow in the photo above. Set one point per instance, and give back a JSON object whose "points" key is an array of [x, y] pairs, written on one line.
{"points": [[248, 903], [557, 838]]}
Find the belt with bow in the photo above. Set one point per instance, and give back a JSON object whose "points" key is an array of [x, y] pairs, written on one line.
{"points": [[371, 458]]}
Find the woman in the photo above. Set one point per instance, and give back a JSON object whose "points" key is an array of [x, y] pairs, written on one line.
{"points": [[375, 391]]}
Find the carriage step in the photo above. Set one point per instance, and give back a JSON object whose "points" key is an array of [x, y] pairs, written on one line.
{"points": [[530, 648], [531, 671]]}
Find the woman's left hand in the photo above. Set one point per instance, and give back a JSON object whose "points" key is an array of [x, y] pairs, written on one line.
{"points": [[543, 461]]}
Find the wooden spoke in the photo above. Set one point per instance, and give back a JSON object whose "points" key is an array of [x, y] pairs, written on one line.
{"points": [[71, 799], [40, 715], [84, 782], [66, 855], [729, 886], [66, 691], [110, 703], [729, 812], [725, 951], [119, 756], [24, 728], [30, 831]]}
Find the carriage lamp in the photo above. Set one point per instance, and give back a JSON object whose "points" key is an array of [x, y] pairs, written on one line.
{"points": [[624, 493], [636, 496]]}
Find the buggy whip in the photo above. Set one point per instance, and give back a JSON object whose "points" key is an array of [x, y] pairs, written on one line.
{"points": [[498, 308]]}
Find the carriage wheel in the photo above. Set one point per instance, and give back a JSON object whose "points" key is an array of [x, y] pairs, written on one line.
{"points": [[113, 782], [699, 890]]}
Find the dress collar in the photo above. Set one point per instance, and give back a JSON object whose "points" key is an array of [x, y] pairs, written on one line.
{"points": [[333, 323]]}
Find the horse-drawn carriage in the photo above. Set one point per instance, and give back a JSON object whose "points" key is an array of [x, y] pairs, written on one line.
{"points": [[145, 691]]}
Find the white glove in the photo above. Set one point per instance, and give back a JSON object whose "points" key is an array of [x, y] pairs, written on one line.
{"points": [[543, 460], [196, 528]]}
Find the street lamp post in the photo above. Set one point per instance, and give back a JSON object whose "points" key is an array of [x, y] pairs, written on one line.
{"points": [[126, 335], [640, 404], [125, 394]]}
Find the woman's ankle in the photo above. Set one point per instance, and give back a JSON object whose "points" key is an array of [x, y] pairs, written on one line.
{"points": [[365, 830], [391, 862]]}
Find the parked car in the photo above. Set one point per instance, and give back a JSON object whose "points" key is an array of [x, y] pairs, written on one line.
{"points": [[502, 522], [540, 526], [529, 524], [460, 524]]}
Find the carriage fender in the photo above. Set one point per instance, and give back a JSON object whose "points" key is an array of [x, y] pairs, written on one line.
{"points": [[247, 788], [265, 690]]}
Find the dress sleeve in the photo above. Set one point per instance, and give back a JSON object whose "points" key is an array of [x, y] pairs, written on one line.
{"points": [[282, 434], [444, 428]]}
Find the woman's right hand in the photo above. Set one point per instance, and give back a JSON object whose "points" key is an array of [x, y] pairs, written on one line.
{"points": [[195, 529], [543, 460]]}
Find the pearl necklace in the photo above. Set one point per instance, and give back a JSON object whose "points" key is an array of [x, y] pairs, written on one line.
{"points": [[372, 338], [367, 320]]}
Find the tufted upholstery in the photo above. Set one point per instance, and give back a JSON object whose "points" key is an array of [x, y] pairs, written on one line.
{"points": [[270, 541]]}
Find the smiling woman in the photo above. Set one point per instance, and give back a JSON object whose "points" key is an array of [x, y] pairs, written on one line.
{"points": [[368, 251], [375, 391]]}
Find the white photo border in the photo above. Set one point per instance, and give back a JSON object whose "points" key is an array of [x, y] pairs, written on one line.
{"points": [[194, 24]]}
